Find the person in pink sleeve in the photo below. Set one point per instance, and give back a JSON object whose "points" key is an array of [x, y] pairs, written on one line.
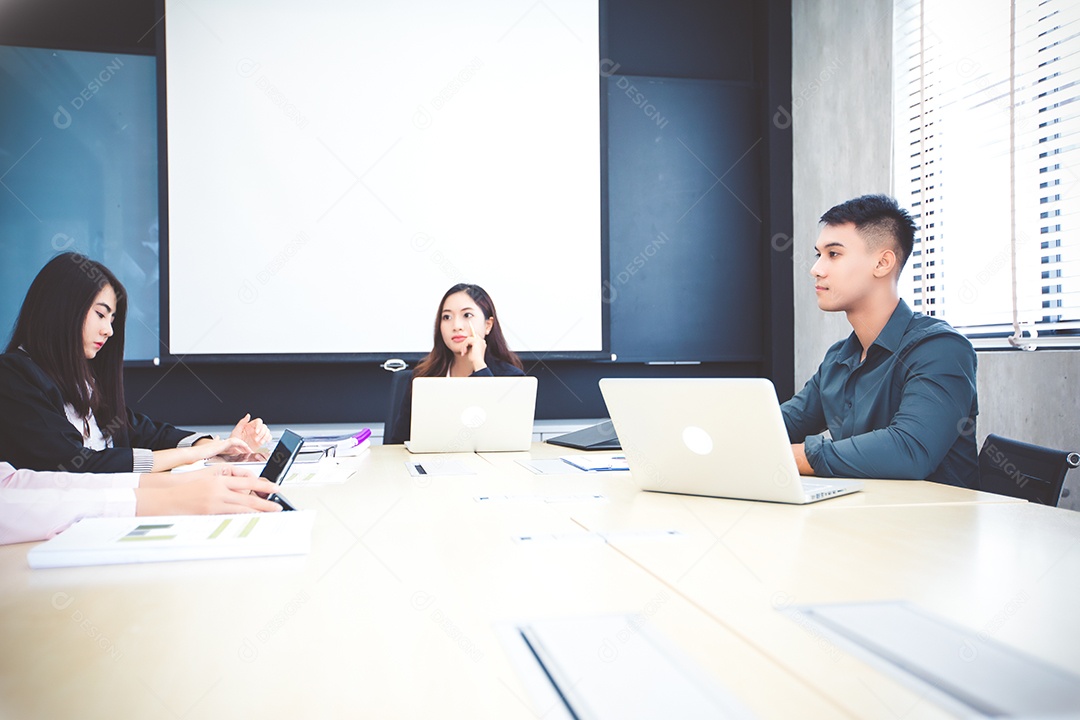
{"points": [[36, 505]]}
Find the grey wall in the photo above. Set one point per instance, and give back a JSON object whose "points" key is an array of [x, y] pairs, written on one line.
{"points": [[841, 108], [842, 124]]}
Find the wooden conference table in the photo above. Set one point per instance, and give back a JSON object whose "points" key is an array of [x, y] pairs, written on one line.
{"points": [[413, 585]]}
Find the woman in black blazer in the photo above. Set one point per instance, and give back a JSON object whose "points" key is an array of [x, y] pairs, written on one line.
{"points": [[62, 384], [468, 342]]}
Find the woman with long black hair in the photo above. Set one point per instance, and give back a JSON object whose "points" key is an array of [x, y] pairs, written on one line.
{"points": [[62, 384], [468, 342]]}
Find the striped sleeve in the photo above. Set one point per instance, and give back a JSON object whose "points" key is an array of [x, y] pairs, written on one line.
{"points": [[192, 439], [142, 460]]}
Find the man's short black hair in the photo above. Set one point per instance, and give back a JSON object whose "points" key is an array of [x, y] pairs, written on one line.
{"points": [[876, 218]]}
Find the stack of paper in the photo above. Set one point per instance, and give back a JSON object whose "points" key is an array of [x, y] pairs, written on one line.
{"points": [[339, 445]]}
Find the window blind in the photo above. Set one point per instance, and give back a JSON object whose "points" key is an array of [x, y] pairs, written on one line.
{"points": [[986, 146]]}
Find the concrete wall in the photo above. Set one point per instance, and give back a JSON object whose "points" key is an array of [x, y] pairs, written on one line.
{"points": [[841, 119], [842, 123]]}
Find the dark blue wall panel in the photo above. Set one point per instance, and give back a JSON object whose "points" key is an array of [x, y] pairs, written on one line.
{"points": [[685, 225]]}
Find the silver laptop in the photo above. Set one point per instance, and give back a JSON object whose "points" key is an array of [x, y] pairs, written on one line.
{"points": [[719, 437], [484, 414]]}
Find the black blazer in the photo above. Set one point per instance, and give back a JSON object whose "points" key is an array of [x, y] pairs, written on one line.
{"points": [[35, 432], [399, 425]]}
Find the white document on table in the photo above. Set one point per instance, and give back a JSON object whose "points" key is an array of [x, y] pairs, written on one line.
{"points": [[109, 541], [437, 467]]}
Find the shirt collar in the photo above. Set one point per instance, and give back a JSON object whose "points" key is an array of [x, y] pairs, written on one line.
{"points": [[888, 339], [890, 336]]}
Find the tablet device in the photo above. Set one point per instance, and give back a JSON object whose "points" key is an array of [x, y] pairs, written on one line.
{"points": [[281, 459]]}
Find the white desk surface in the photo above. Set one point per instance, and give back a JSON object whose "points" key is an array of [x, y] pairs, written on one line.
{"points": [[395, 612], [1009, 571]]}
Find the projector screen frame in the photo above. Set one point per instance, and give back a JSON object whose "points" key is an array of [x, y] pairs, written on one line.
{"points": [[605, 68]]}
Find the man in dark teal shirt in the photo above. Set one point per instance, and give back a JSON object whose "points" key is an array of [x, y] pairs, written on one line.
{"points": [[898, 396]]}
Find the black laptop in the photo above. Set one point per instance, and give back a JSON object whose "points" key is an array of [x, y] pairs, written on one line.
{"points": [[597, 437]]}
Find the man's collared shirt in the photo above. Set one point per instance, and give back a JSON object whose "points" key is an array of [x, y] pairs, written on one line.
{"points": [[906, 412]]}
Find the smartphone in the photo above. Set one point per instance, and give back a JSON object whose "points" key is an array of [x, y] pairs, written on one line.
{"points": [[281, 459]]}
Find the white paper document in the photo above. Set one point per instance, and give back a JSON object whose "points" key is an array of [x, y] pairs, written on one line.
{"points": [[597, 462], [549, 466], [596, 537], [109, 541], [328, 471], [546, 499], [438, 466]]}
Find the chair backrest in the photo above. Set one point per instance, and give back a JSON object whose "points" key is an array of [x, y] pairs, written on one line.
{"points": [[1018, 469], [396, 426]]}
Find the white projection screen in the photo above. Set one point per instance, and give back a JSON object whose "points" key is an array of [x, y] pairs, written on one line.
{"points": [[334, 166]]}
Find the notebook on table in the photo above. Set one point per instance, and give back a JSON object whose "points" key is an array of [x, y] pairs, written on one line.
{"points": [[718, 437], [481, 414]]}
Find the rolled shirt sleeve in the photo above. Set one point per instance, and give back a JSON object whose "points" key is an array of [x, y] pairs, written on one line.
{"points": [[803, 414]]}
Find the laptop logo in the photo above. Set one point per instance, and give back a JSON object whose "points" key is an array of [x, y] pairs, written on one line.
{"points": [[473, 417], [782, 477], [697, 440]]}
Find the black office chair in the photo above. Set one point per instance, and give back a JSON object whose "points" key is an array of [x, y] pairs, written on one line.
{"points": [[396, 427], [1021, 470]]}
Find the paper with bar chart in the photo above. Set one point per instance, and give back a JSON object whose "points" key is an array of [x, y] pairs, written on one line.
{"points": [[109, 541]]}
